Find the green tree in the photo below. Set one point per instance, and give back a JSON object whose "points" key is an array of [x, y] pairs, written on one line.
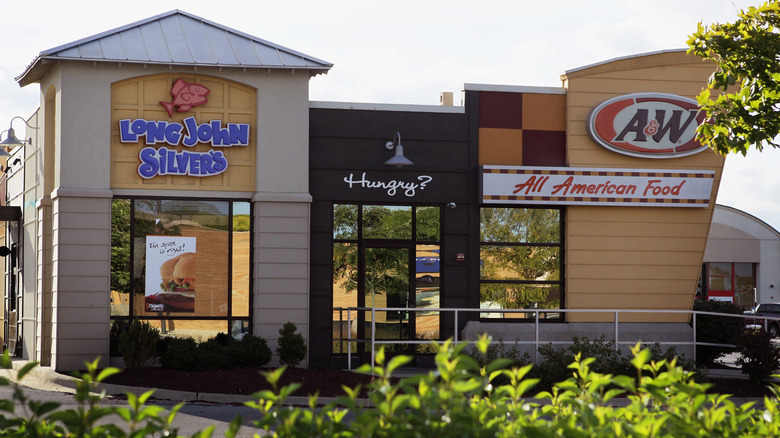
{"points": [[742, 98]]}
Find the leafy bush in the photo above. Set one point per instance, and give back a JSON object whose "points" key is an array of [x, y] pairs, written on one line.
{"points": [[292, 347], [218, 353], [498, 350], [256, 349], [555, 361], [716, 329], [759, 359], [181, 354], [458, 399], [118, 326], [213, 356], [138, 344]]}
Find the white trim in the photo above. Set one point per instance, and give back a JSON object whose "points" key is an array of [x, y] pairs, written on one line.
{"points": [[387, 107]]}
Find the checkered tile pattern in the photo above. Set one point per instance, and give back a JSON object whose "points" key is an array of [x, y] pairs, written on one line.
{"points": [[522, 129]]}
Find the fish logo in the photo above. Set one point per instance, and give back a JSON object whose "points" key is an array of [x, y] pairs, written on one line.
{"points": [[185, 96]]}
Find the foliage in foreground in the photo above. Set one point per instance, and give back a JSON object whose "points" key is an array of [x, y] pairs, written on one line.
{"points": [[659, 399]]}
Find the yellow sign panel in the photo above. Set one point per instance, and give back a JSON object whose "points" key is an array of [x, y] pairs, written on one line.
{"points": [[191, 132]]}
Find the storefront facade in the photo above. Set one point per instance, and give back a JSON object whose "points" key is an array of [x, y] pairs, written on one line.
{"points": [[205, 149], [589, 196], [202, 191]]}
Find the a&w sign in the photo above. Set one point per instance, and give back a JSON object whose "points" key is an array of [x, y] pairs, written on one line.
{"points": [[648, 125]]}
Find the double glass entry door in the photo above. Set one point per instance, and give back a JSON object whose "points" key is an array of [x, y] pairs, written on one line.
{"points": [[386, 257]]}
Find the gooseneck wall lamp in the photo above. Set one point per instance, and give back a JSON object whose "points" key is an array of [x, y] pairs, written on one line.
{"points": [[3, 152], [397, 160], [11, 140]]}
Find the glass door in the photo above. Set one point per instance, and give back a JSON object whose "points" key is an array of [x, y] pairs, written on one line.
{"points": [[385, 282]]}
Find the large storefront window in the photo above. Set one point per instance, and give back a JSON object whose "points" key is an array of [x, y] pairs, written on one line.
{"points": [[732, 282], [385, 256], [181, 264], [520, 261]]}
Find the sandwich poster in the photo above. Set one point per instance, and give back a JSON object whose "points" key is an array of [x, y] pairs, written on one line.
{"points": [[170, 274]]}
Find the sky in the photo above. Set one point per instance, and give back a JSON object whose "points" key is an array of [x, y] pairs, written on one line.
{"points": [[408, 52]]}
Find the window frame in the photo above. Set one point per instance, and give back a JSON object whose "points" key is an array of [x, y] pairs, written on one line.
{"points": [[229, 318], [560, 282]]}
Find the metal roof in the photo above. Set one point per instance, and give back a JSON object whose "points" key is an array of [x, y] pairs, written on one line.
{"points": [[175, 38]]}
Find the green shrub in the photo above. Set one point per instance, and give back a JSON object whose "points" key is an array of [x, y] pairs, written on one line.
{"points": [[118, 326], [510, 357], [138, 344], [257, 351], [457, 399], [213, 356], [662, 399], [553, 367], [759, 359], [218, 353], [292, 347], [181, 354], [717, 330]]}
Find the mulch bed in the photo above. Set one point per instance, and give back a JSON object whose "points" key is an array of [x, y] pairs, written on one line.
{"points": [[328, 383]]}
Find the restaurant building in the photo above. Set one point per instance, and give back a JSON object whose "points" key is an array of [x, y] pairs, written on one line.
{"points": [[177, 173], [741, 259]]}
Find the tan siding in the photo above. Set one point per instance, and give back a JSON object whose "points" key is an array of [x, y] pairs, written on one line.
{"points": [[683, 258], [281, 267], [619, 228], [634, 257], [81, 308]]}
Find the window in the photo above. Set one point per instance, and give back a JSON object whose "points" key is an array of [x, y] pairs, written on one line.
{"points": [[733, 282], [520, 260], [385, 256], [182, 265]]}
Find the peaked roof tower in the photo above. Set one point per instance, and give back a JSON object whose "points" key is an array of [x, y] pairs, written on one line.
{"points": [[175, 38]]}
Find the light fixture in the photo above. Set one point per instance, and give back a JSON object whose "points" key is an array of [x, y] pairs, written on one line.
{"points": [[11, 140], [397, 160], [3, 153]]}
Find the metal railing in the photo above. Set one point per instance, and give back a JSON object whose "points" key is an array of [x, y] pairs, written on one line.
{"points": [[373, 341]]}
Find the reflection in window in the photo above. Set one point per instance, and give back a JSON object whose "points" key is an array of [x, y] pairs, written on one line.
{"points": [[387, 222], [520, 261], [398, 244], [345, 221], [183, 260], [120, 257]]}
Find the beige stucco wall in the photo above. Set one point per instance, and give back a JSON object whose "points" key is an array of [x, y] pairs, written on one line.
{"points": [[633, 257]]}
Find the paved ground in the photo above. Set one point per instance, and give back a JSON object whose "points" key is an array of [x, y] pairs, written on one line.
{"points": [[199, 412]]}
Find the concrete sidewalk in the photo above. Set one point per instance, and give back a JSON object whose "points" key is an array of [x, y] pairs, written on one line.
{"points": [[46, 379]]}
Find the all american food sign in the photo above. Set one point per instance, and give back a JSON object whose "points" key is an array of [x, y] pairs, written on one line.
{"points": [[171, 161], [647, 125], [578, 186]]}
